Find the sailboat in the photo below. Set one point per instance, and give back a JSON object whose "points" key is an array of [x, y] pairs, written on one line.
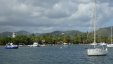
{"points": [[110, 45], [97, 50]]}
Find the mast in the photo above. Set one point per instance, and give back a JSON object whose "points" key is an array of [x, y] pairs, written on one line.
{"points": [[94, 21], [111, 34]]}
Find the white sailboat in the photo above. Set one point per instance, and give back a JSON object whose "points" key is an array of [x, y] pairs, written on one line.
{"points": [[110, 45], [97, 50]]}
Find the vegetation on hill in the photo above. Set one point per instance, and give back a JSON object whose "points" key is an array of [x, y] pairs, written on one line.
{"points": [[56, 37]]}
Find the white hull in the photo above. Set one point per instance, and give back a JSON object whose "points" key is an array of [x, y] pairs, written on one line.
{"points": [[96, 52], [35, 44], [102, 43], [109, 45]]}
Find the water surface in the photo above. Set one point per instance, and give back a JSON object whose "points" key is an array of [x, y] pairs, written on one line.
{"points": [[73, 54]]}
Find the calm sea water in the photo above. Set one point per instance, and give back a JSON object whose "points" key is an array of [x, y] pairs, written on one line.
{"points": [[73, 54]]}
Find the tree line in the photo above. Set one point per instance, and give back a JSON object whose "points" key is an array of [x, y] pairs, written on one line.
{"points": [[53, 39]]}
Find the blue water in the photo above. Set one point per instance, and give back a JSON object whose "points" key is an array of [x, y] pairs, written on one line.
{"points": [[73, 54]]}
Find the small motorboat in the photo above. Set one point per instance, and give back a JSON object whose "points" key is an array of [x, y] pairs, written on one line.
{"points": [[11, 46], [35, 44]]}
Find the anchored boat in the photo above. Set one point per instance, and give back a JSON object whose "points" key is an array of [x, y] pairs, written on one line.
{"points": [[97, 50], [11, 46]]}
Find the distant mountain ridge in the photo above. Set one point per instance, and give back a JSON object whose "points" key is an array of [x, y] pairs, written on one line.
{"points": [[104, 32], [9, 34]]}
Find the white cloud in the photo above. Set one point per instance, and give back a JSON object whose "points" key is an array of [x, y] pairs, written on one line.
{"points": [[51, 15]]}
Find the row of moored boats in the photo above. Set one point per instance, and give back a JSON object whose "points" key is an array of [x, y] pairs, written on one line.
{"points": [[12, 46]]}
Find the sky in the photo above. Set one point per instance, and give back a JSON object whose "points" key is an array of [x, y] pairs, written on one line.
{"points": [[42, 16]]}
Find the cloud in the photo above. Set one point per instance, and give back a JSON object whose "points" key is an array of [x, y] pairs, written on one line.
{"points": [[52, 15]]}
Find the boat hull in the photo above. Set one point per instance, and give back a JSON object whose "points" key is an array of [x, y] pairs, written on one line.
{"points": [[110, 45], [96, 52], [11, 47], [35, 44]]}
